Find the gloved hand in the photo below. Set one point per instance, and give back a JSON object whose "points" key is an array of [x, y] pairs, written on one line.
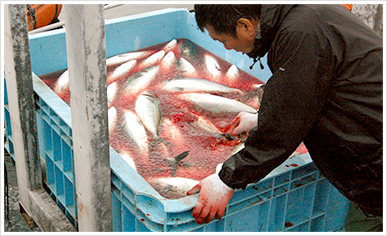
{"points": [[243, 123], [213, 198]]}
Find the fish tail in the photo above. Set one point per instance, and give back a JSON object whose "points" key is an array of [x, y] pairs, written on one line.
{"points": [[174, 162]]}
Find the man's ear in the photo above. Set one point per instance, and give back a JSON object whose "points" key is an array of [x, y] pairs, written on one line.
{"points": [[247, 25]]}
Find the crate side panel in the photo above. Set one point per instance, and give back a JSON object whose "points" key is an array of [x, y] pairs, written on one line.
{"points": [[47, 48], [247, 220], [116, 211], [132, 33], [337, 210]]}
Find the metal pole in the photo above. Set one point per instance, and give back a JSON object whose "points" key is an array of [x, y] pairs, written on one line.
{"points": [[86, 51], [18, 75]]}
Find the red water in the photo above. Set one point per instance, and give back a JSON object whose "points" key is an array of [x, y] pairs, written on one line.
{"points": [[206, 151]]}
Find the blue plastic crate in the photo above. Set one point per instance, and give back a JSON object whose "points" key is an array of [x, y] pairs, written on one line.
{"points": [[8, 140], [288, 199]]}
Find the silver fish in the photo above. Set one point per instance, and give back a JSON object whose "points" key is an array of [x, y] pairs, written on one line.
{"points": [[204, 124], [232, 72], [62, 83], [174, 162], [129, 159], [171, 131], [141, 79], [148, 110], [188, 49], [197, 85], [122, 70], [111, 92], [153, 59], [121, 58], [212, 65], [216, 103], [207, 126], [170, 45], [168, 60], [185, 66], [173, 187], [136, 131], [112, 118]]}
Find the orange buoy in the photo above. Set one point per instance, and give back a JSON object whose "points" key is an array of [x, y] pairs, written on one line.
{"points": [[348, 6], [39, 15]]}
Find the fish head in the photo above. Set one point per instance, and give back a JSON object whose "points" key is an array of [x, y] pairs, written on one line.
{"points": [[188, 49]]}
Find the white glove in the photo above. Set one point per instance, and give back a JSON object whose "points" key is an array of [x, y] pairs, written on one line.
{"points": [[243, 123], [213, 198]]}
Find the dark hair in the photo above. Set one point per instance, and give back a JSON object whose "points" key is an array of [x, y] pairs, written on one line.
{"points": [[224, 17]]}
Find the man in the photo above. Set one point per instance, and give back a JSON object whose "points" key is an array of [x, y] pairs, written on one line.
{"points": [[326, 91]]}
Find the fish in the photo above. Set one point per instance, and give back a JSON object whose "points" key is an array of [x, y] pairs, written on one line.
{"points": [[232, 72], [121, 58], [204, 124], [207, 126], [129, 159], [111, 92], [152, 60], [212, 66], [186, 68], [141, 79], [260, 88], [215, 103], [170, 45], [184, 65], [149, 112], [188, 49], [136, 131], [121, 70], [169, 60], [63, 82], [197, 85], [112, 118], [172, 187], [175, 161], [170, 130]]}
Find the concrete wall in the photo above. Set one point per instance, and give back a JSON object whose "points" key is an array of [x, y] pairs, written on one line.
{"points": [[371, 14]]}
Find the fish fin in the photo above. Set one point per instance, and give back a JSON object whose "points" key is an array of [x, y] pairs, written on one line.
{"points": [[176, 160]]}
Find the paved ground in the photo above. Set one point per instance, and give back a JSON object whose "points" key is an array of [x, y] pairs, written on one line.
{"points": [[14, 222]]}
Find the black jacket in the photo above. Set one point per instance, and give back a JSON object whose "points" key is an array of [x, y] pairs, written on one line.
{"points": [[326, 90]]}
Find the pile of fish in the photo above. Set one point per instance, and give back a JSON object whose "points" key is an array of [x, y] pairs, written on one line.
{"points": [[169, 108]]}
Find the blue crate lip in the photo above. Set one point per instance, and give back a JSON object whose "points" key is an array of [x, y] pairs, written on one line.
{"points": [[293, 197]]}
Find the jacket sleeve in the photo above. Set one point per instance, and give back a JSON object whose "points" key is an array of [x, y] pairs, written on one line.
{"points": [[294, 96]]}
